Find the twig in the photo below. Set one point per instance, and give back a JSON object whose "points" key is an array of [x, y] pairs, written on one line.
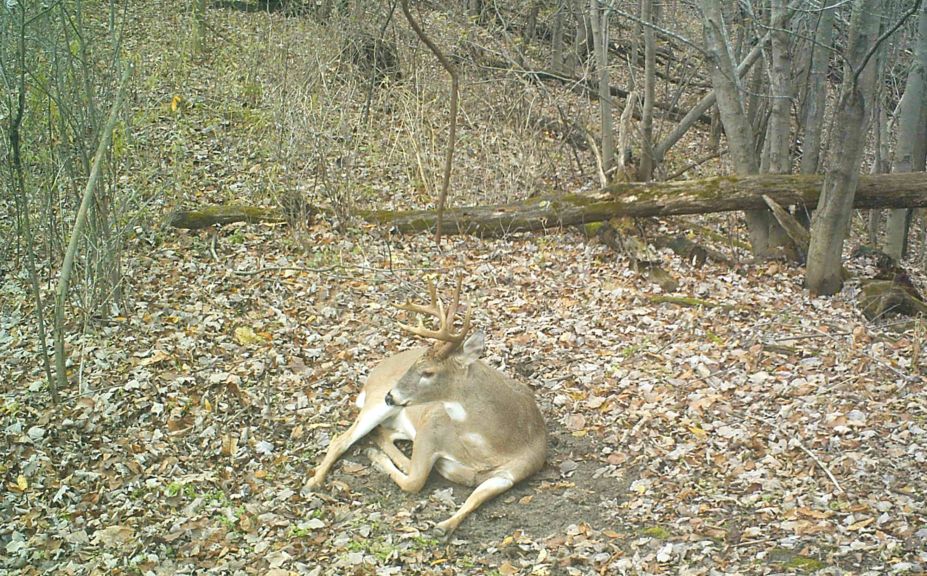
{"points": [[452, 131], [61, 294], [327, 269], [752, 542], [212, 245], [820, 465], [798, 442]]}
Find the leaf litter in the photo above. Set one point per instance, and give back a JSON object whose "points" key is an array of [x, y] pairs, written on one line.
{"points": [[768, 433], [776, 432]]}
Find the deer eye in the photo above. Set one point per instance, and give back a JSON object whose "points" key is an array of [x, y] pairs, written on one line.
{"points": [[427, 374]]}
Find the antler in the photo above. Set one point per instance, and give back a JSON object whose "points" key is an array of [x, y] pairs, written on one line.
{"points": [[448, 340]]}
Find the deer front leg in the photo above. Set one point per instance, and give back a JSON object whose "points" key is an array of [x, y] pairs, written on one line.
{"points": [[488, 490], [423, 459], [371, 415], [386, 440]]}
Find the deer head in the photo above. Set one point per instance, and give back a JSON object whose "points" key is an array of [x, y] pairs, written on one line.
{"points": [[433, 375]]}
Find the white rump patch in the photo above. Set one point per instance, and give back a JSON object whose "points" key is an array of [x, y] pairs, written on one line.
{"points": [[456, 411]]}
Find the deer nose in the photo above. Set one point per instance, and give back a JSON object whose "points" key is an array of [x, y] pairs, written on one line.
{"points": [[389, 399]]}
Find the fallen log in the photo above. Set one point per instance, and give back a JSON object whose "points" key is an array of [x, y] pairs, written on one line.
{"points": [[225, 214], [880, 298], [720, 194]]}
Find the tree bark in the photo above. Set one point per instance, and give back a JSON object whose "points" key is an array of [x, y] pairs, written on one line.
{"points": [[645, 171], [911, 130], [720, 194], [847, 142], [599, 17], [816, 94], [727, 88]]}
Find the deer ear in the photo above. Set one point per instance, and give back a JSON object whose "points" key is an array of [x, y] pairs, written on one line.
{"points": [[472, 348]]}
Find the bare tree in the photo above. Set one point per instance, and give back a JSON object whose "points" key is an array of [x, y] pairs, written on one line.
{"points": [[14, 73], [911, 131], [815, 95], [824, 273], [776, 158], [58, 62], [452, 130], [737, 126], [648, 15], [598, 14]]}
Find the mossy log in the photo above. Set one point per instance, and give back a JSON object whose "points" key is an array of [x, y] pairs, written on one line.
{"points": [[883, 297], [225, 214], [720, 194]]}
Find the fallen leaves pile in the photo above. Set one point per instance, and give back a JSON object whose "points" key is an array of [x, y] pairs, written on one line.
{"points": [[759, 432]]}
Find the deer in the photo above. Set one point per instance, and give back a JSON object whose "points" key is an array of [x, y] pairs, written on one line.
{"points": [[471, 422]]}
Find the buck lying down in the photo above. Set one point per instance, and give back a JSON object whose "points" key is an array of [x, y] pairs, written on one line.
{"points": [[472, 423]]}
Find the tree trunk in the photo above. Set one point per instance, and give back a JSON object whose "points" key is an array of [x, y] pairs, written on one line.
{"points": [[599, 16], [645, 170], [911, 131], [580, 38], [728, 91], [710, 99], [777, 158], [880, 165], [67, 266], [846, 148], [452, 128], [816, 94], [199, 26], [556, 41]]}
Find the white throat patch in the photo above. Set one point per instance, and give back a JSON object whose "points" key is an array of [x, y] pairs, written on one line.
{"points": [[456, 411]]}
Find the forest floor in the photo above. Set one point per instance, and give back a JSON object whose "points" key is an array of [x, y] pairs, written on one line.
{"points": [[743, 427]]}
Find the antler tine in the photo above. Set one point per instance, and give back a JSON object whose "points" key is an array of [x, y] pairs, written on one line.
{"points": [[448, 340], [436, 302], [432, 309], [455, 303]]}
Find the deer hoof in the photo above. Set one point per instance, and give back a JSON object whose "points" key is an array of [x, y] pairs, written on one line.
{"points": [[442, 532]]}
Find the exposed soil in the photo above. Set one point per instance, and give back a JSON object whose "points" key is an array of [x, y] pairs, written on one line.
{"points": [[587, 494]]}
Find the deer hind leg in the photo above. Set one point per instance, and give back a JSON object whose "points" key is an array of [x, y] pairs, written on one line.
{"points": [[487, 490], [371, 415], [386, 440], [423, 459]]}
